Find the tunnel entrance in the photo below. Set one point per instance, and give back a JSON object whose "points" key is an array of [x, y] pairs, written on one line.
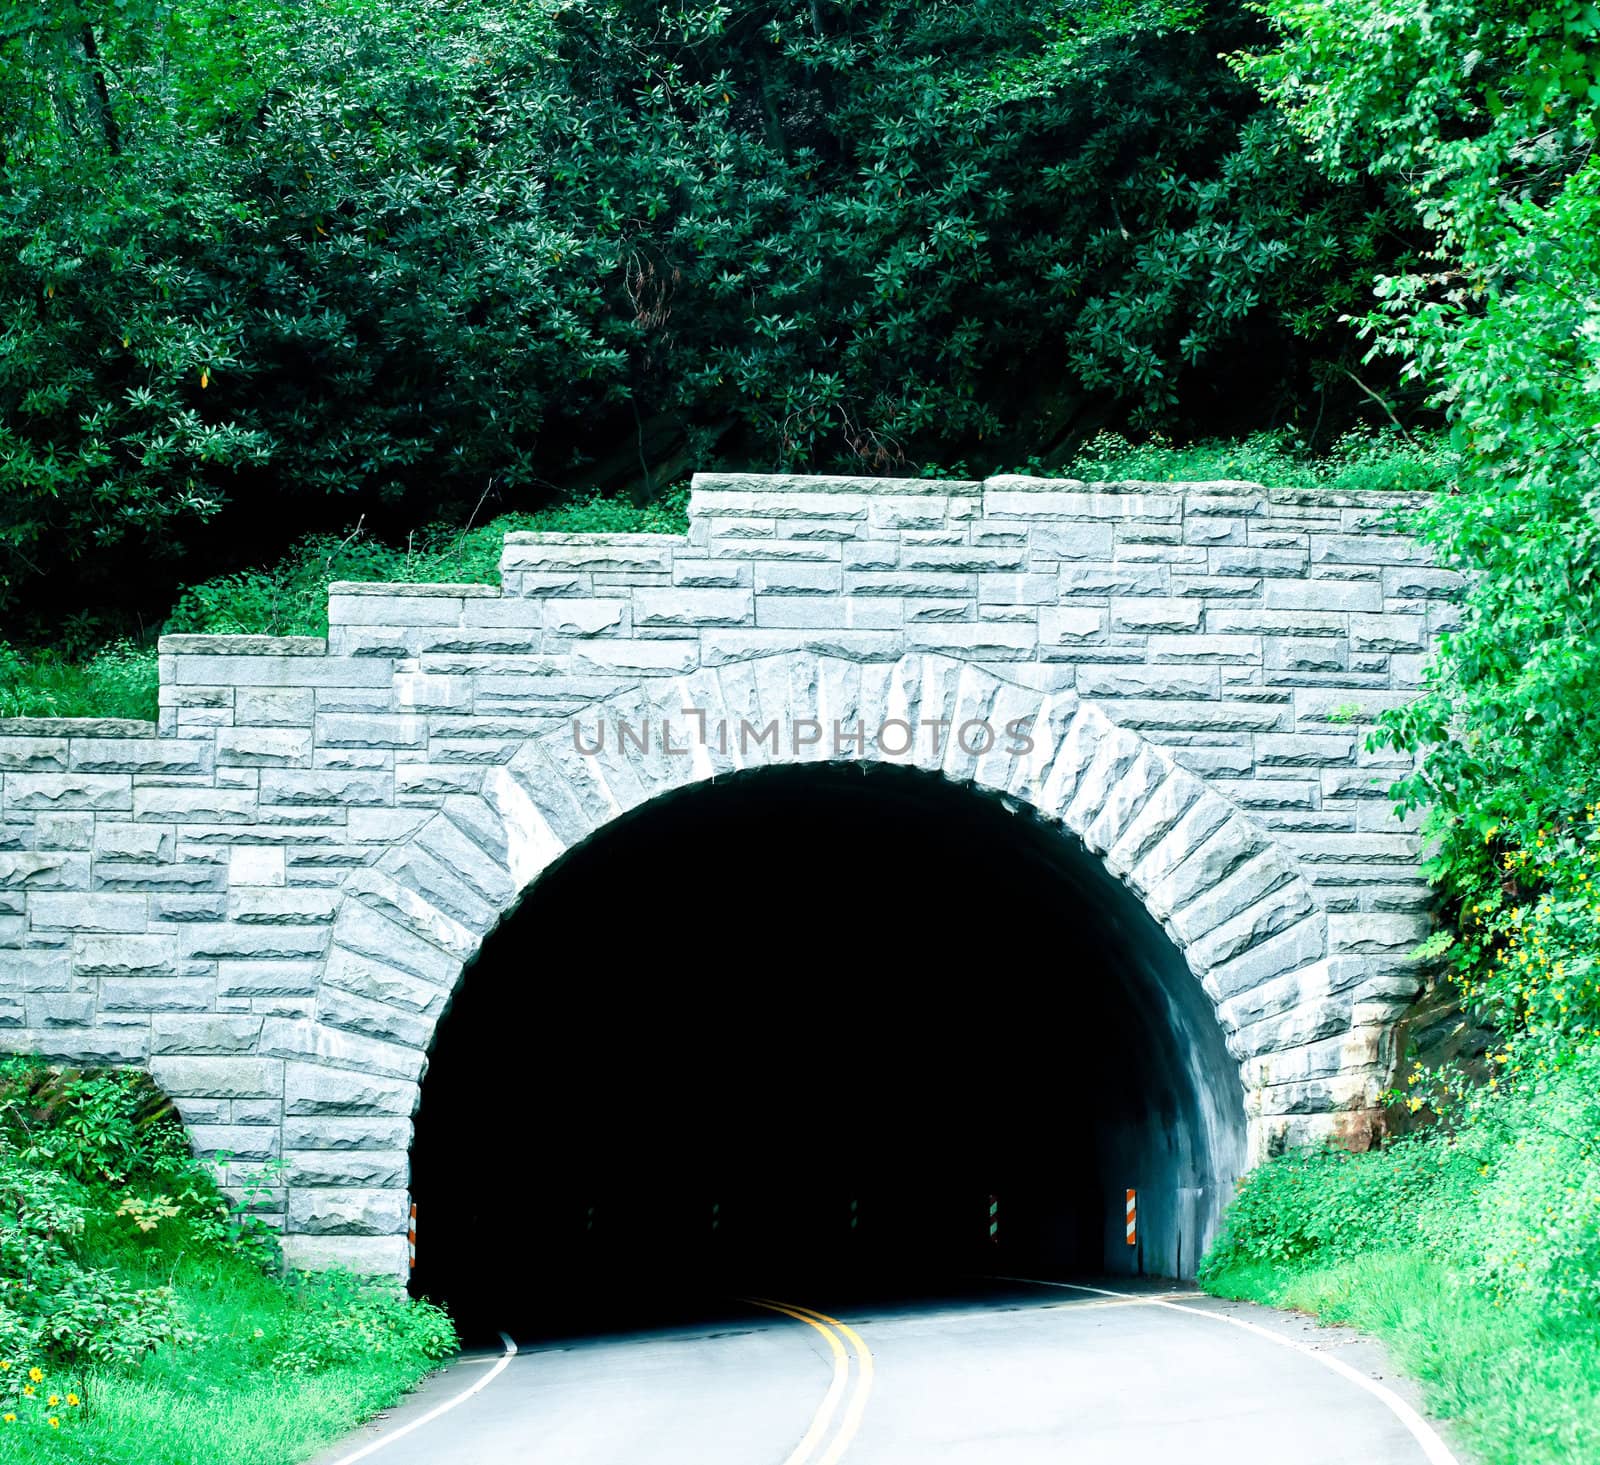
{"points": [[810, 1024]]}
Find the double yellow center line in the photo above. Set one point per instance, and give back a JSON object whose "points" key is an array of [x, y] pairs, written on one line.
{"points": [[838, 1335]]}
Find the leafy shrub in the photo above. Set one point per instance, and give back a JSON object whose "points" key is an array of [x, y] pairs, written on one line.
{"points": [[124, 1270], [1331, 1205], [97, 1127], [1507, 1197], [76, 1150], [92, 1317], [1534, 1230], [1522, 939], [55, 1304], [17, 1339], [1385, 459], [341, 1317]]}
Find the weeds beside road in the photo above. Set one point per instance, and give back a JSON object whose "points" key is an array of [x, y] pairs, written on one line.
{"points": [[143, 1317]]}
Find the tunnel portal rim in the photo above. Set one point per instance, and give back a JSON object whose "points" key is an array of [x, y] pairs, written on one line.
{"points": [[1230, 897]]}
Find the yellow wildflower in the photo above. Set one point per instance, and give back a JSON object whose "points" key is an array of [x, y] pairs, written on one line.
{"points": [[74, 1400]]}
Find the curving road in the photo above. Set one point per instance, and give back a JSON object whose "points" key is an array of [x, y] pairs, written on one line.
{"points": [[993, 1372]]}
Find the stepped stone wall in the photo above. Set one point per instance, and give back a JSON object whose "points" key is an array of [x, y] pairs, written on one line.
{"points": [[269, 897]]}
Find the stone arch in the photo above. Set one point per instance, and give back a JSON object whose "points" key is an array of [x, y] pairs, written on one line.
{"points": [[1232, 900]]}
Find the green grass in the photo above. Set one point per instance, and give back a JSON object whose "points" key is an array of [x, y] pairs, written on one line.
{"points": [[118, 680], [182, 1403], [144, 1319], [220, 1399], [1520, 1386]]}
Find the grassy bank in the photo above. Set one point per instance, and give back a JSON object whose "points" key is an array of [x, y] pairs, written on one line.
{"points": [[1472, 1250], [143, 1319], [1520, 1387], [289, 597], [223, 1393]]}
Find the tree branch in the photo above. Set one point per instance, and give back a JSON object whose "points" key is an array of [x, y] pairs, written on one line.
{"points": [[99, 94]]}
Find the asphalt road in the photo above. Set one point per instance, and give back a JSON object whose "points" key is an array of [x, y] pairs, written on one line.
{"points": [[985, 1373]]}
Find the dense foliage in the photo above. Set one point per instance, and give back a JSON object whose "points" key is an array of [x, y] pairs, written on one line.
{"points": [[1474, 1247], [264, 268], [128, 1274], [1510, 1202], [1487, 116]]}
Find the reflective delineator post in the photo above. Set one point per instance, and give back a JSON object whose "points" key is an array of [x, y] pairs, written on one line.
{"points": [[994, 1219], [1133, 1218], [411, 1237]]}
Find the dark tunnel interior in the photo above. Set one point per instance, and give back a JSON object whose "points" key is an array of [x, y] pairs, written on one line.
{"points": [[834, 1023]]}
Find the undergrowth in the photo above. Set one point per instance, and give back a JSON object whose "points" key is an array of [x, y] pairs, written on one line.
{"points": [[142, 1307], [1472, 1248]]}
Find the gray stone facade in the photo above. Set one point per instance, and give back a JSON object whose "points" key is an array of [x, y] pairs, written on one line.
{"points": [[269, 897]]}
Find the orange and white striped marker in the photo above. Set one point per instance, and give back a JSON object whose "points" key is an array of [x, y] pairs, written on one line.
{"points": [[411, 1237], [1133, 1217]]}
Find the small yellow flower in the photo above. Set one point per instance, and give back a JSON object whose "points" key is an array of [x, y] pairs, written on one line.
{"points": [[36, 1374], [53, 1400], [74, 1400], [54, 1422], [28, 1390], [11, 1418], [5, 1363]]}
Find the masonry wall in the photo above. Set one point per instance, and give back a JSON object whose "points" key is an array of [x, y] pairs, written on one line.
{"points": [[169, 895]]}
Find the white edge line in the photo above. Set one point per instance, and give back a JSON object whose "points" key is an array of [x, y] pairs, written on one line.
{"points": [[1434, 1448], [434, 1413]]}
